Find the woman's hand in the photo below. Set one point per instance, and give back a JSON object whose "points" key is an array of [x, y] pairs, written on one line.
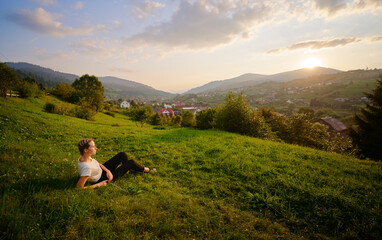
{"points": [[100, 184], [109, 175], [82, 181], [103, 183]]}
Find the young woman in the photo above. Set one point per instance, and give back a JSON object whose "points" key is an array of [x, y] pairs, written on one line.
{"points": [[92, 171]]}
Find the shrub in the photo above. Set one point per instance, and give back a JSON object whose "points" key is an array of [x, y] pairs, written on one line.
{"points": [[205, 118], [155, 119], [49, 107], [28, 90], [342, 144], [82, 112], [257, 127], [62, 110], [303, 132], [110, 113]]}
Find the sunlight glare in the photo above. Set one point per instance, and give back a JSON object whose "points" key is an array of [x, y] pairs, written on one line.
{"points": [[310, 63]]}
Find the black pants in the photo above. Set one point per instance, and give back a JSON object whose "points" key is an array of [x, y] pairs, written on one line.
{"points": [[127, 165]]}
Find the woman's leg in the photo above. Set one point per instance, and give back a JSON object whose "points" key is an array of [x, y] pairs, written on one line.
{"points": [[127, 165], [115, 161]]}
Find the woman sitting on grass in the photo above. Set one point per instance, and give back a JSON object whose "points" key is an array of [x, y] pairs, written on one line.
{"points": [[100, 174]]}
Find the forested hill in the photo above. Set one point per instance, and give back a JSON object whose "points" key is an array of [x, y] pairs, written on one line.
{"points": [[250, 79], [114, 87], [119, 88], [46, 76]]}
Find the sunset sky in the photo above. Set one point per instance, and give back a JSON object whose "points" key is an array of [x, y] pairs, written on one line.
{"points": [[177, 45]]}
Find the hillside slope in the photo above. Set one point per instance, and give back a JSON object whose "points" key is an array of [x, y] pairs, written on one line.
{"points": [[209, 184]]}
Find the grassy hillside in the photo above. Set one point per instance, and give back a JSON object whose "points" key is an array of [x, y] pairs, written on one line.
{"points": [[209, 184]]}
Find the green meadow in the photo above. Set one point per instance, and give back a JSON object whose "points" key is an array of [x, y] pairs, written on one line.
{"points": [[209, 184]]}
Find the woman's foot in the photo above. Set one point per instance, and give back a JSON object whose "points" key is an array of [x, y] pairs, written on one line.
{"points": [[149, 169]]}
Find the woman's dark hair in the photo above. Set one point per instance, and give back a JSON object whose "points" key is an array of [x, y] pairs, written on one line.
{"points": [[84, 144]]}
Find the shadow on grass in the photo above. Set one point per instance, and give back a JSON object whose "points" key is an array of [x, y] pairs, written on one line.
{"points": [[49, 184]]}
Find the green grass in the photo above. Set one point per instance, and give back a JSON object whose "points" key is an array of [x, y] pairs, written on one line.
{"points": [[209, 184]]}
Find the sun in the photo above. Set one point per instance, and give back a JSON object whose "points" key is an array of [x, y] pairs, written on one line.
{"points": [[310, 63]]}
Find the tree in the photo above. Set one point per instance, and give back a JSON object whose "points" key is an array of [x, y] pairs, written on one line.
{"points": [[29, 87], [176, 121], [141, 114], [188, 119], [259, 128], [8, 79], [367, 134], [90, 91], [205, 118], [234, 115], [133, 103], [302, 132], [308, 111], [64, 90], [278, 123]]}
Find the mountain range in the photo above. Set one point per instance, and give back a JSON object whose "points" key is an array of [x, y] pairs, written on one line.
{"points": [[251, 79], [114, 87], [122, 88]]}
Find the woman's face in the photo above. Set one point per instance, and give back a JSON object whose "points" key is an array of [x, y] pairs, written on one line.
{"points": [[92, 150]]}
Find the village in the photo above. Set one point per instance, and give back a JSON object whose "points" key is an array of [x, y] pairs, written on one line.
{"points": [[164, 109], [333, 126]]}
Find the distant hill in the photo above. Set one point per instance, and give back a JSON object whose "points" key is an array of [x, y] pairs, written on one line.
{"points": [[46, 76], [118, 88], [114, 87], [251, 79]]}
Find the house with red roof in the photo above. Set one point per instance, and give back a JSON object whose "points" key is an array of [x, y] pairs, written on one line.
{"points": [[167, 112]]}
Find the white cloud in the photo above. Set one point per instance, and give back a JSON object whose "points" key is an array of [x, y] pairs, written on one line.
{"points": [[334, 7], [331, 6], [121, 69], [203, 24], [96, 47], [146, 8], [367, 3], [43, 54], [46, 2], [102, 28], [320, 44], [79, 5], [116, 23], [43, 22], [376, 39]]}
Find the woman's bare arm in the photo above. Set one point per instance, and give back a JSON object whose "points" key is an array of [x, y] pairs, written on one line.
{"points": [[81, 183], [108, 173]]}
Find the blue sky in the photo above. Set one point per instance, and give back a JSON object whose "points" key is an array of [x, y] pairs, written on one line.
{"points": [[176, 45]]}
